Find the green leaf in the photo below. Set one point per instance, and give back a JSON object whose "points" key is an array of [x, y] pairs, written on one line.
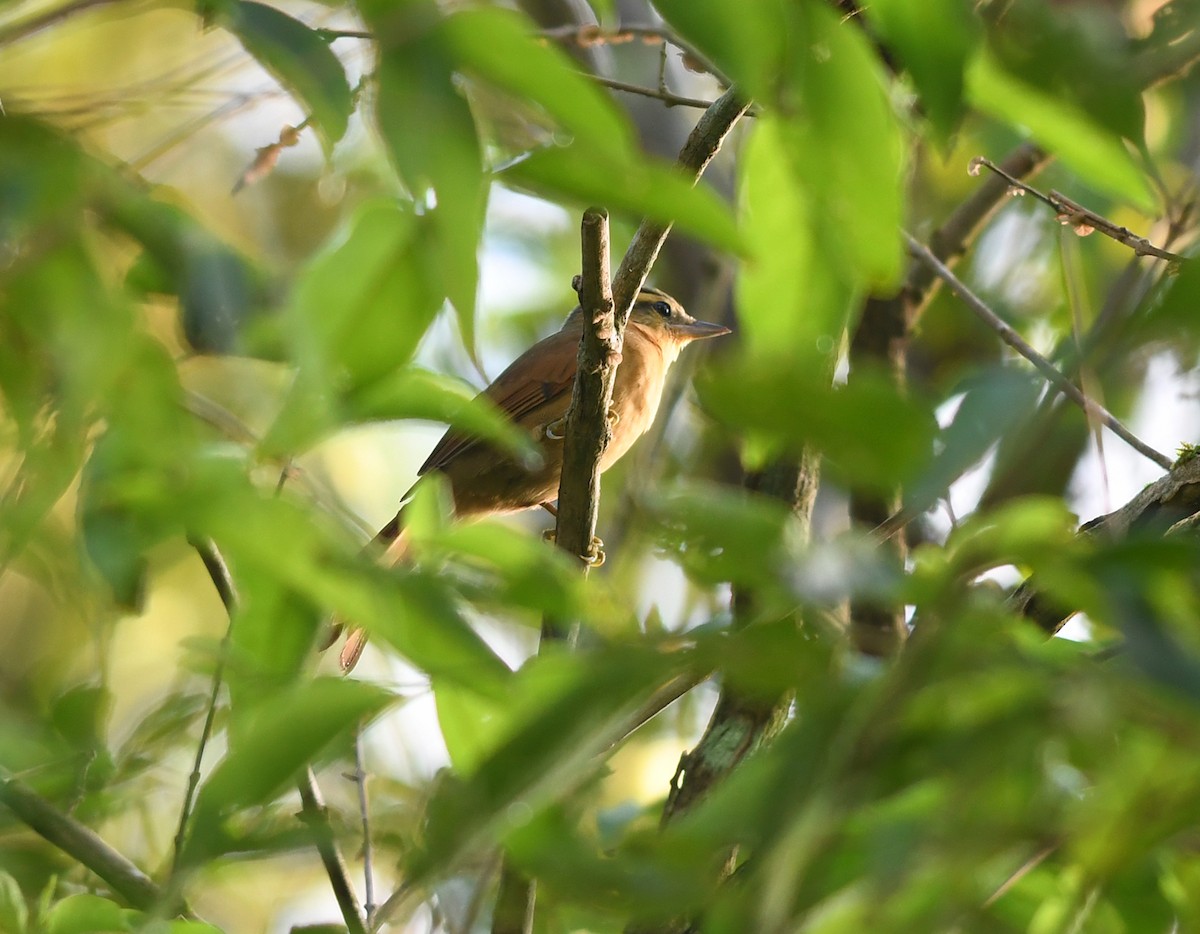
{"points": [[846, 146], [14, 913], [299, 58], [413, 392], [571, 709], [993, 402], [636, 186], [365, 302], [87, 914], [272, 743], [934, 40], [872, 436], [358, 312], [790, 301], [500, 46], [220, 290], [441, 156], [750, 45], [1097, 154]]}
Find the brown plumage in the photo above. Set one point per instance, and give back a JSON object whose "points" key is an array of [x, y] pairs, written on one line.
{"points": [[534, 392]]}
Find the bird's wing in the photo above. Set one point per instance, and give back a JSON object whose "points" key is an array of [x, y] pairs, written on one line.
{"points": [[544, 373]]}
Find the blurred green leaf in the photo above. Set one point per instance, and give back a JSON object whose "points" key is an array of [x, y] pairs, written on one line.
{"points": [[572, 709], [750, 46], [870, 434], [14, 913], [993, 403], [501, 47], [1079, 54], [80, 715], [429, 131], [634, 185], [509, 568], [87, 914], [220, 289], [791, 302], [934, 41], [720, 534], [1061, 127], [271, 743], [130, 493], [847, 150], [298, 58], [413, 392], [364, 303], [286, 591]]}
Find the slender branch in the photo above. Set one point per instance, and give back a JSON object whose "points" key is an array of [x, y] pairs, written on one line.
{"points": [[316, 816], [218, 572], [1084, 220], [23, 30], [589, 430], [360, 784], [671, 100], [85, 846], [1044, 366], [701, 147]]}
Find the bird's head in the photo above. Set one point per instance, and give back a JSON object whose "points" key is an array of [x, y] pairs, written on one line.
{"points": [[664, 320]]}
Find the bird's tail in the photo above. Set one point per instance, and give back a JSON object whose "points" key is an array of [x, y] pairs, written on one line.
{"points": [[393, 540]]}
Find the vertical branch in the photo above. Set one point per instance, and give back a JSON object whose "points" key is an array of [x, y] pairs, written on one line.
{"points": [[588, 426]]}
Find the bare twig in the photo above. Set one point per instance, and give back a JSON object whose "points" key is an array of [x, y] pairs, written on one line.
{"points": [[1083, 220], [701, 147], [360, 784], [1018, 343], [589, 430], [661, 94], [317, 817], [82, 844], [218, 572]]}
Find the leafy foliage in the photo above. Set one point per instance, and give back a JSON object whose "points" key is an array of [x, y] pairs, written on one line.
{"points": [[183, 374]]}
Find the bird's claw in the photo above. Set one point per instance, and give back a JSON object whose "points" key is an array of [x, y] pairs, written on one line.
{"points": [[595, 554]]}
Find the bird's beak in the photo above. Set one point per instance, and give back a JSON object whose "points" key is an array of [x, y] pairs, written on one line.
{"points": [[697, 330]]}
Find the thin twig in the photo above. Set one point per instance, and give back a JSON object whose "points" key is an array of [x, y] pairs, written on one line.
{"points": [[360, 784], [316, 817], [218, 572], [588, 431], [671, 100], [701, 148], [1044, 366], [82, 844], [36, 24], [1084, 220]]}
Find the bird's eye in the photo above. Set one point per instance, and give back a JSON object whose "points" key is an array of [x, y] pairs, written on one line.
{"points": [[662, 308]]}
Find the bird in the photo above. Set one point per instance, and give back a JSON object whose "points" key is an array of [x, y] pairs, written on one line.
{"points": [[534, 393]]}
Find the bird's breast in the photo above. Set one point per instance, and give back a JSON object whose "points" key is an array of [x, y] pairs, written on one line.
{"points": [[636, 394]]}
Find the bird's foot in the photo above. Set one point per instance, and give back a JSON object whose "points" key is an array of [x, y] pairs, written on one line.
{"points": [[595, 554], [557, 429], [614, 417]]}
